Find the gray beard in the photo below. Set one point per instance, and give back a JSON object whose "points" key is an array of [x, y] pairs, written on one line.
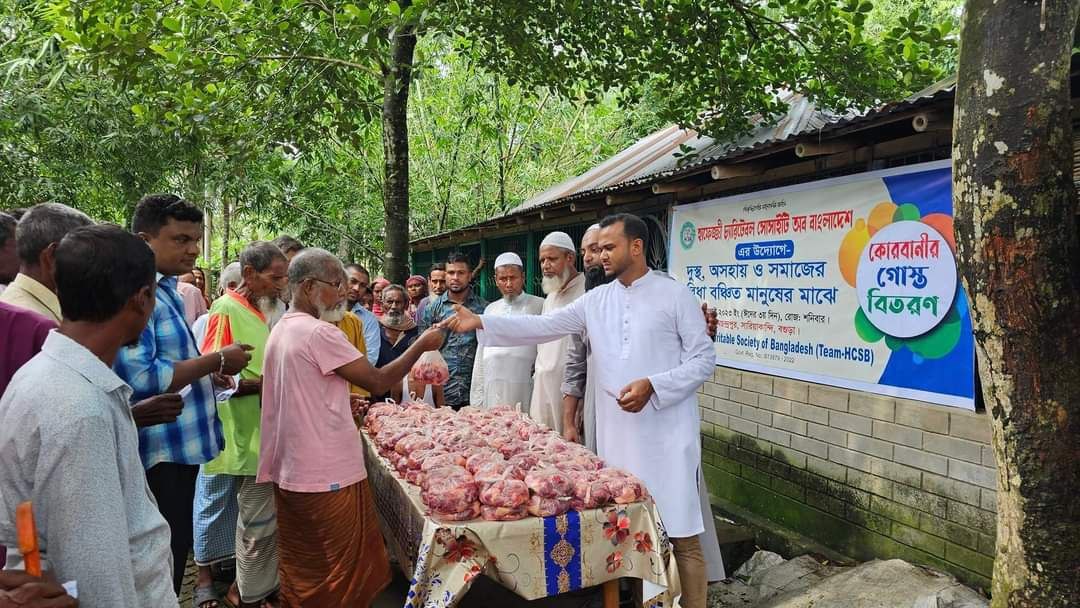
{"points": [[331, 315], [551, 285], [394, 318]]}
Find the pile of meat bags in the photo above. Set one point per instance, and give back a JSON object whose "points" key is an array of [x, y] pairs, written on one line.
{"points": [[497, 463]]}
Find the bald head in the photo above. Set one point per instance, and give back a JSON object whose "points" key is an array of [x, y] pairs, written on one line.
{"points": [[318, 283]]}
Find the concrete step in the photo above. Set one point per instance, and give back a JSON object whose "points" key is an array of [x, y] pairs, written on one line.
{"points": [[737, 543]]}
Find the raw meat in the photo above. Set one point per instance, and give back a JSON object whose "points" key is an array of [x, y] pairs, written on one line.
{"points": [[449, 490], [480, 457], [442, 460], [505, 493], [431, 368], [546, 507], [549, 483], [589, 492], [503, 513], [624, 487], [473, 511], [411, 443]]}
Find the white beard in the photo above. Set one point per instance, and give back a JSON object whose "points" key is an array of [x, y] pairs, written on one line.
{"points": [[266, 305], [331, 315], [551, 285]]}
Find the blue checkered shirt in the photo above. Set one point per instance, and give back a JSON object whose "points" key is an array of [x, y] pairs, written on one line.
{"points": [[195, 436]]}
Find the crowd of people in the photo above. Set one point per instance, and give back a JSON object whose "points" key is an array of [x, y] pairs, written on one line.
{"points": [[146, 420]]}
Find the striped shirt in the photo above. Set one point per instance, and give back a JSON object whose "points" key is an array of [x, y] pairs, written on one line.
{"points": [[195, 437]]}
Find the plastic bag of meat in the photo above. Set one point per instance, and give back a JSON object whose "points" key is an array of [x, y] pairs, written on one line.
{"points": [[449, 490], [416, 458], [546, 507], [490, 513], [479, 457], [431, 368], [437, 461], [415, 476], [525, 461], [505, 493], [549, 483], [473, 511], [590, 492], [624, 487], [513, 447], [490, 472], [411, 443]]}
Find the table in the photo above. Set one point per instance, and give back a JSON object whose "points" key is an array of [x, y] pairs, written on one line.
{"points": [[533, 557]]}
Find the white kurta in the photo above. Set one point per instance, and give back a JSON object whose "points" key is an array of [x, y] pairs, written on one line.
{"points": [[546, 402], [503, 375], [653, 329]]}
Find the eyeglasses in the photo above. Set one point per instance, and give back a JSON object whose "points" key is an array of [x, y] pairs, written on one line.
{"points": [[335, 284]]}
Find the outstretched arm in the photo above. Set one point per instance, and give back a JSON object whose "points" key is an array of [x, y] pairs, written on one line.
{"points": [[379, 380], [519, 330]]}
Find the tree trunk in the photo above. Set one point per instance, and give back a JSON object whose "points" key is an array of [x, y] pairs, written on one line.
{"points": [[226, 224], [1015, 210], [395, 137]]}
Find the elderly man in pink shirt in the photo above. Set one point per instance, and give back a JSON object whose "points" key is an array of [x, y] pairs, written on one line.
{"points": [[330, 550]]}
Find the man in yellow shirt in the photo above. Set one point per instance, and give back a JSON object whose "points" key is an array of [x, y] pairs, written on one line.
{"points": [[38, 233]]}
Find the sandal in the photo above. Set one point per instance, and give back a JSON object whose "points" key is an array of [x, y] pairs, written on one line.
{"points": [[206, 597]]}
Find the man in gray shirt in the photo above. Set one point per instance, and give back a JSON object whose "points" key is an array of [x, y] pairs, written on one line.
{"points": [[67, 437]]}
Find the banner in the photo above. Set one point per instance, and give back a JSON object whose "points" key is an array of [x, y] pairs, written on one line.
{"points": [[850, 282]]}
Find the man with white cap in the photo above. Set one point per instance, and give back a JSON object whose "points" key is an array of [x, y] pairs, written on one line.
{"points": [[562, 284], [502, 375]]}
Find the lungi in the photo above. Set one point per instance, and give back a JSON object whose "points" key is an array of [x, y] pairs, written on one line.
{"points": [[330, 549], [256, 540], [214, 519]]}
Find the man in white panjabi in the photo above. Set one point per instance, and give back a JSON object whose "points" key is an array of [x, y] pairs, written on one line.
{"points": [[503, 375], [562, 284], [650, 356], [579, 401]]}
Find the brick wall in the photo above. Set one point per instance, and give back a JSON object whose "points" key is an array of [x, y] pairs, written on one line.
{"points": [[870, 476]]}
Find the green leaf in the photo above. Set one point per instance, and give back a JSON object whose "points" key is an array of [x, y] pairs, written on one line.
{"points": [[393, 8], [171, 24]]}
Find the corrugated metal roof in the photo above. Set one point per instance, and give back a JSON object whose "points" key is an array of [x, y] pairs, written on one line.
{"points": [[653, 157], [655, 154]]}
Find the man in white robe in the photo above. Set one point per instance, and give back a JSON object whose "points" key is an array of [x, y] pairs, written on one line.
{"points": [[650, 354], [562, 285], [579, 398], [502, 375]]}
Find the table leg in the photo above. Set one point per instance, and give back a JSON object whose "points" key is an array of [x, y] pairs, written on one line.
{"points": [[611, 594]]}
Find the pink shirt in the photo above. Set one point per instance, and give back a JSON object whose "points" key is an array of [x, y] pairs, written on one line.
{"points": [[309, 442], [194, 303]]}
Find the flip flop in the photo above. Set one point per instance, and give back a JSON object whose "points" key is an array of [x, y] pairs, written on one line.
{"points": [[206, 597]]}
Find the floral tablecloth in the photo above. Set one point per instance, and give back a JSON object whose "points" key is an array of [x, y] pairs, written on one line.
{"points": [[534, 557]]}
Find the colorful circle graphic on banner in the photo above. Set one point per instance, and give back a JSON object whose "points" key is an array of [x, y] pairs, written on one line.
{"points": [[688, 235], [906, 278]]}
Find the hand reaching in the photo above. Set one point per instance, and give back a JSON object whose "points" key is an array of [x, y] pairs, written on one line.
{"points": [[463, 321]]}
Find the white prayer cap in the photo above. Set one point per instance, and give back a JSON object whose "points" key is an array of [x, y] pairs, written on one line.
{"points": [[508, 259], [591, 228], [559, 239]]}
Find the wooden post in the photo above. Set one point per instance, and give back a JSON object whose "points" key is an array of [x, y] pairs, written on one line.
{"points": [[718, 172], [530, 263], [931, 121], [611, 594], [485, 272], [805, 149]]}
